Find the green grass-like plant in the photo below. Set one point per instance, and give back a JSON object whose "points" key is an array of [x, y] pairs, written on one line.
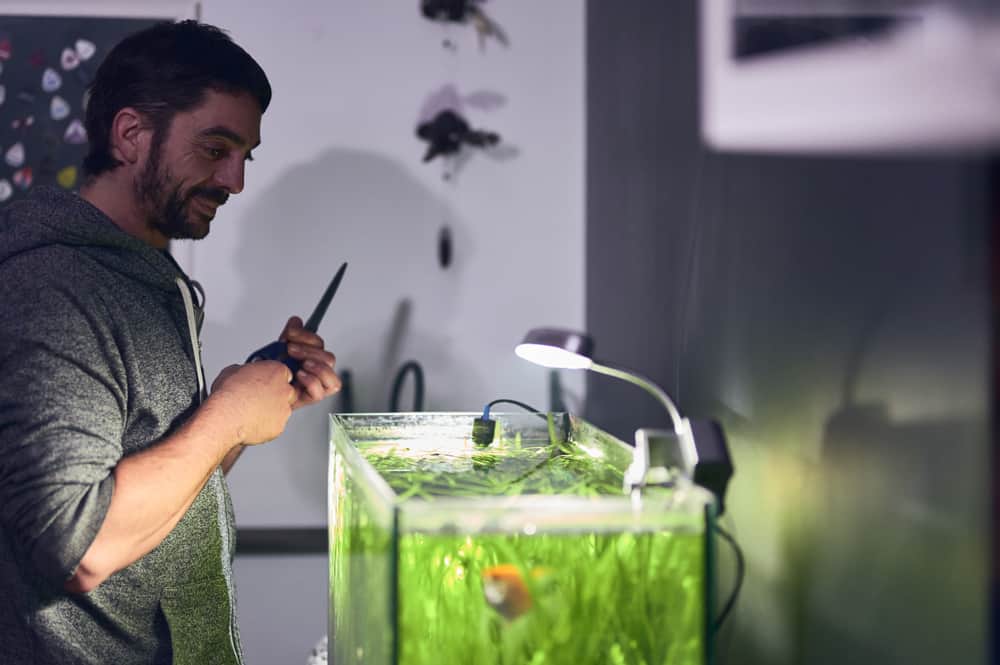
{"points": [[595, 598], [633, 598]]}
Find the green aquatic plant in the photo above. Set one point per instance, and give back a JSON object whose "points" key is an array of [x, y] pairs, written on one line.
{"points": [[594, 598], [507, 598], [504, 470]]}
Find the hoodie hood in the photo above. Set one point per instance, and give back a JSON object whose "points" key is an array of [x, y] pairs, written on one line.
{"points": [[52, 216]]}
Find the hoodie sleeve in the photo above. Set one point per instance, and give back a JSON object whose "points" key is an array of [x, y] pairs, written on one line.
{"points": [[62, 413]]}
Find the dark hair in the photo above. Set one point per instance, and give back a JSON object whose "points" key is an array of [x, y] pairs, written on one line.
{"points": [[161, 71]]}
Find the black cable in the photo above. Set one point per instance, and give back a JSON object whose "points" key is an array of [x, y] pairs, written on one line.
{"points": [[418, 386], [346, 391], [484, 429], [740, 573], [528, 407]]}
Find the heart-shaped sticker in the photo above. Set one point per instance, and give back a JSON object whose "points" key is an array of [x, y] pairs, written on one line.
{"points": [[23, 178], [59, 108], [76, 133], [5, 50], [51, 81], [69, 60], [6, 191], [85, 49], [14, 155], [66, 177]]}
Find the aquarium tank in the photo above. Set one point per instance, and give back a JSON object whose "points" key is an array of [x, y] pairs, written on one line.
{"points": [[526, 551]]}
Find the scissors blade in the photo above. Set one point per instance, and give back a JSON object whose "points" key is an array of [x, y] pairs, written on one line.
{"points": [[312, 325]]}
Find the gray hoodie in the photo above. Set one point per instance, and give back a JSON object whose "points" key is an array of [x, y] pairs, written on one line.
{"points": [[100, 359]]}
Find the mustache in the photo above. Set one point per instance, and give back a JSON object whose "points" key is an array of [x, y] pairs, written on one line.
{"points": [[219, 196]]}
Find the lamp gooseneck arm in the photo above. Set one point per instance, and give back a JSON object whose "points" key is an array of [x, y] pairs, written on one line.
{"points": [[645, 384]]}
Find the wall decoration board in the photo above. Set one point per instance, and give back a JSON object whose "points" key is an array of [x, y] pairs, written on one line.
{"points": [[47, 59]]}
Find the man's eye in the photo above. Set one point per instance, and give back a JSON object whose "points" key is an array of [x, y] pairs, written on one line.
{"points": [[215, 153]]}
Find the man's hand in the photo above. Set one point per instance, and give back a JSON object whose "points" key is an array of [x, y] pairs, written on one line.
{"points": [[316, 379], [154, 488], [255, 399]]}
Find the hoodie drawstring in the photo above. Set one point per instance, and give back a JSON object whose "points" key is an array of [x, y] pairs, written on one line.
{"points": [[193, 331]]}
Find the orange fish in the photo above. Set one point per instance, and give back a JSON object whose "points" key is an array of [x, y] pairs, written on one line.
{"points": [[506, 591]]}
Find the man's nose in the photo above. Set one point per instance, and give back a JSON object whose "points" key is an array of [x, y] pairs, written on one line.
{"points": [[230, 176]]}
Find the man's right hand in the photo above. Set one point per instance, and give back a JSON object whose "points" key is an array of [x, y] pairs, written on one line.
{"points": [[154, 488], [256, 398]]}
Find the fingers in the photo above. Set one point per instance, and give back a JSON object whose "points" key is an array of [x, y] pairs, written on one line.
{"points": [[295, 331], [291, 394], [304, 337], [223, 375], [291, 328], [316, 376], [317, 354], [256, 398], [317, 381]]}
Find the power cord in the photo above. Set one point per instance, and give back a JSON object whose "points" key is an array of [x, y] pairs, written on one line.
{"points": [[411, 367], [526, 407], [740, 574], [484, 429]]}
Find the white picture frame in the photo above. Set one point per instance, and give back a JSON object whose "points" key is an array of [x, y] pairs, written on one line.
{"points": [[928, 87], [166, 9]]}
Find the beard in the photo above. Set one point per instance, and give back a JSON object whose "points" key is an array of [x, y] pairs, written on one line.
{"points": [[166, 204]]}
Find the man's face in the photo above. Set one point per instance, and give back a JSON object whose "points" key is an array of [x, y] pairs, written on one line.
{"points": [[197, 165]]}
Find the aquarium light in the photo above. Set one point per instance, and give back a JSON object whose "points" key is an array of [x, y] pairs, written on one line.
{"points": [[697, 449], [548, 356], [566, 349], [560, 349]]}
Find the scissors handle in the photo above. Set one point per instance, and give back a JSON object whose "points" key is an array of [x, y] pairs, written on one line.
{"points": [[276, 351], [279, 350]]}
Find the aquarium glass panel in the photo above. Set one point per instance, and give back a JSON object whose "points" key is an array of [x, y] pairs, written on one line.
{"points": [[525, 551]]}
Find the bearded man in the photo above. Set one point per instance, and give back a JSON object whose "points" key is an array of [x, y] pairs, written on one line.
{"points": [[116, 528]]}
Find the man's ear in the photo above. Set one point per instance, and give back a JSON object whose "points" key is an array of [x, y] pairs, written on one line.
{"points": [[130, 133]]}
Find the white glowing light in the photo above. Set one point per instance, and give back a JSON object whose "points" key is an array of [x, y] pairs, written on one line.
{"points": [[551, 356]]}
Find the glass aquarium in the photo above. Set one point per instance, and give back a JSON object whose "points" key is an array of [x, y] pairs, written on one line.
{"points": [[526, 551]]}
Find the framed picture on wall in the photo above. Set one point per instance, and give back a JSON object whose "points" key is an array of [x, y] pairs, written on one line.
{"points": [[49, 52], [833, 76]]}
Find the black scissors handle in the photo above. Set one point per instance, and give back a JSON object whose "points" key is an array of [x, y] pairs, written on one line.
{"points": [[279, 350], [275, 351]]}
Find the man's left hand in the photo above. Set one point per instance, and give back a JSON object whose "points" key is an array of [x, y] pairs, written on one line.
{"points": [[316, 379]]}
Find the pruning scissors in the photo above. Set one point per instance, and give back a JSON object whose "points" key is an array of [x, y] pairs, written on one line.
{"points": [[279, 350]]}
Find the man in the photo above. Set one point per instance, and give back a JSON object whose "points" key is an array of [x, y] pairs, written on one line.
{"points": [[116, 533]]}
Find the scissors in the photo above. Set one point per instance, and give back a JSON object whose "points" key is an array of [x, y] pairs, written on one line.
{"points": [[279, 350]]}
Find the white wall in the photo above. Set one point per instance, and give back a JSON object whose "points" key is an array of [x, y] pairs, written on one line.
{"points": [[339, 177]]}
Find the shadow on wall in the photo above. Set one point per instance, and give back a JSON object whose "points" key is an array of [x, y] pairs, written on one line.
{"points": [[395, 303]]}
